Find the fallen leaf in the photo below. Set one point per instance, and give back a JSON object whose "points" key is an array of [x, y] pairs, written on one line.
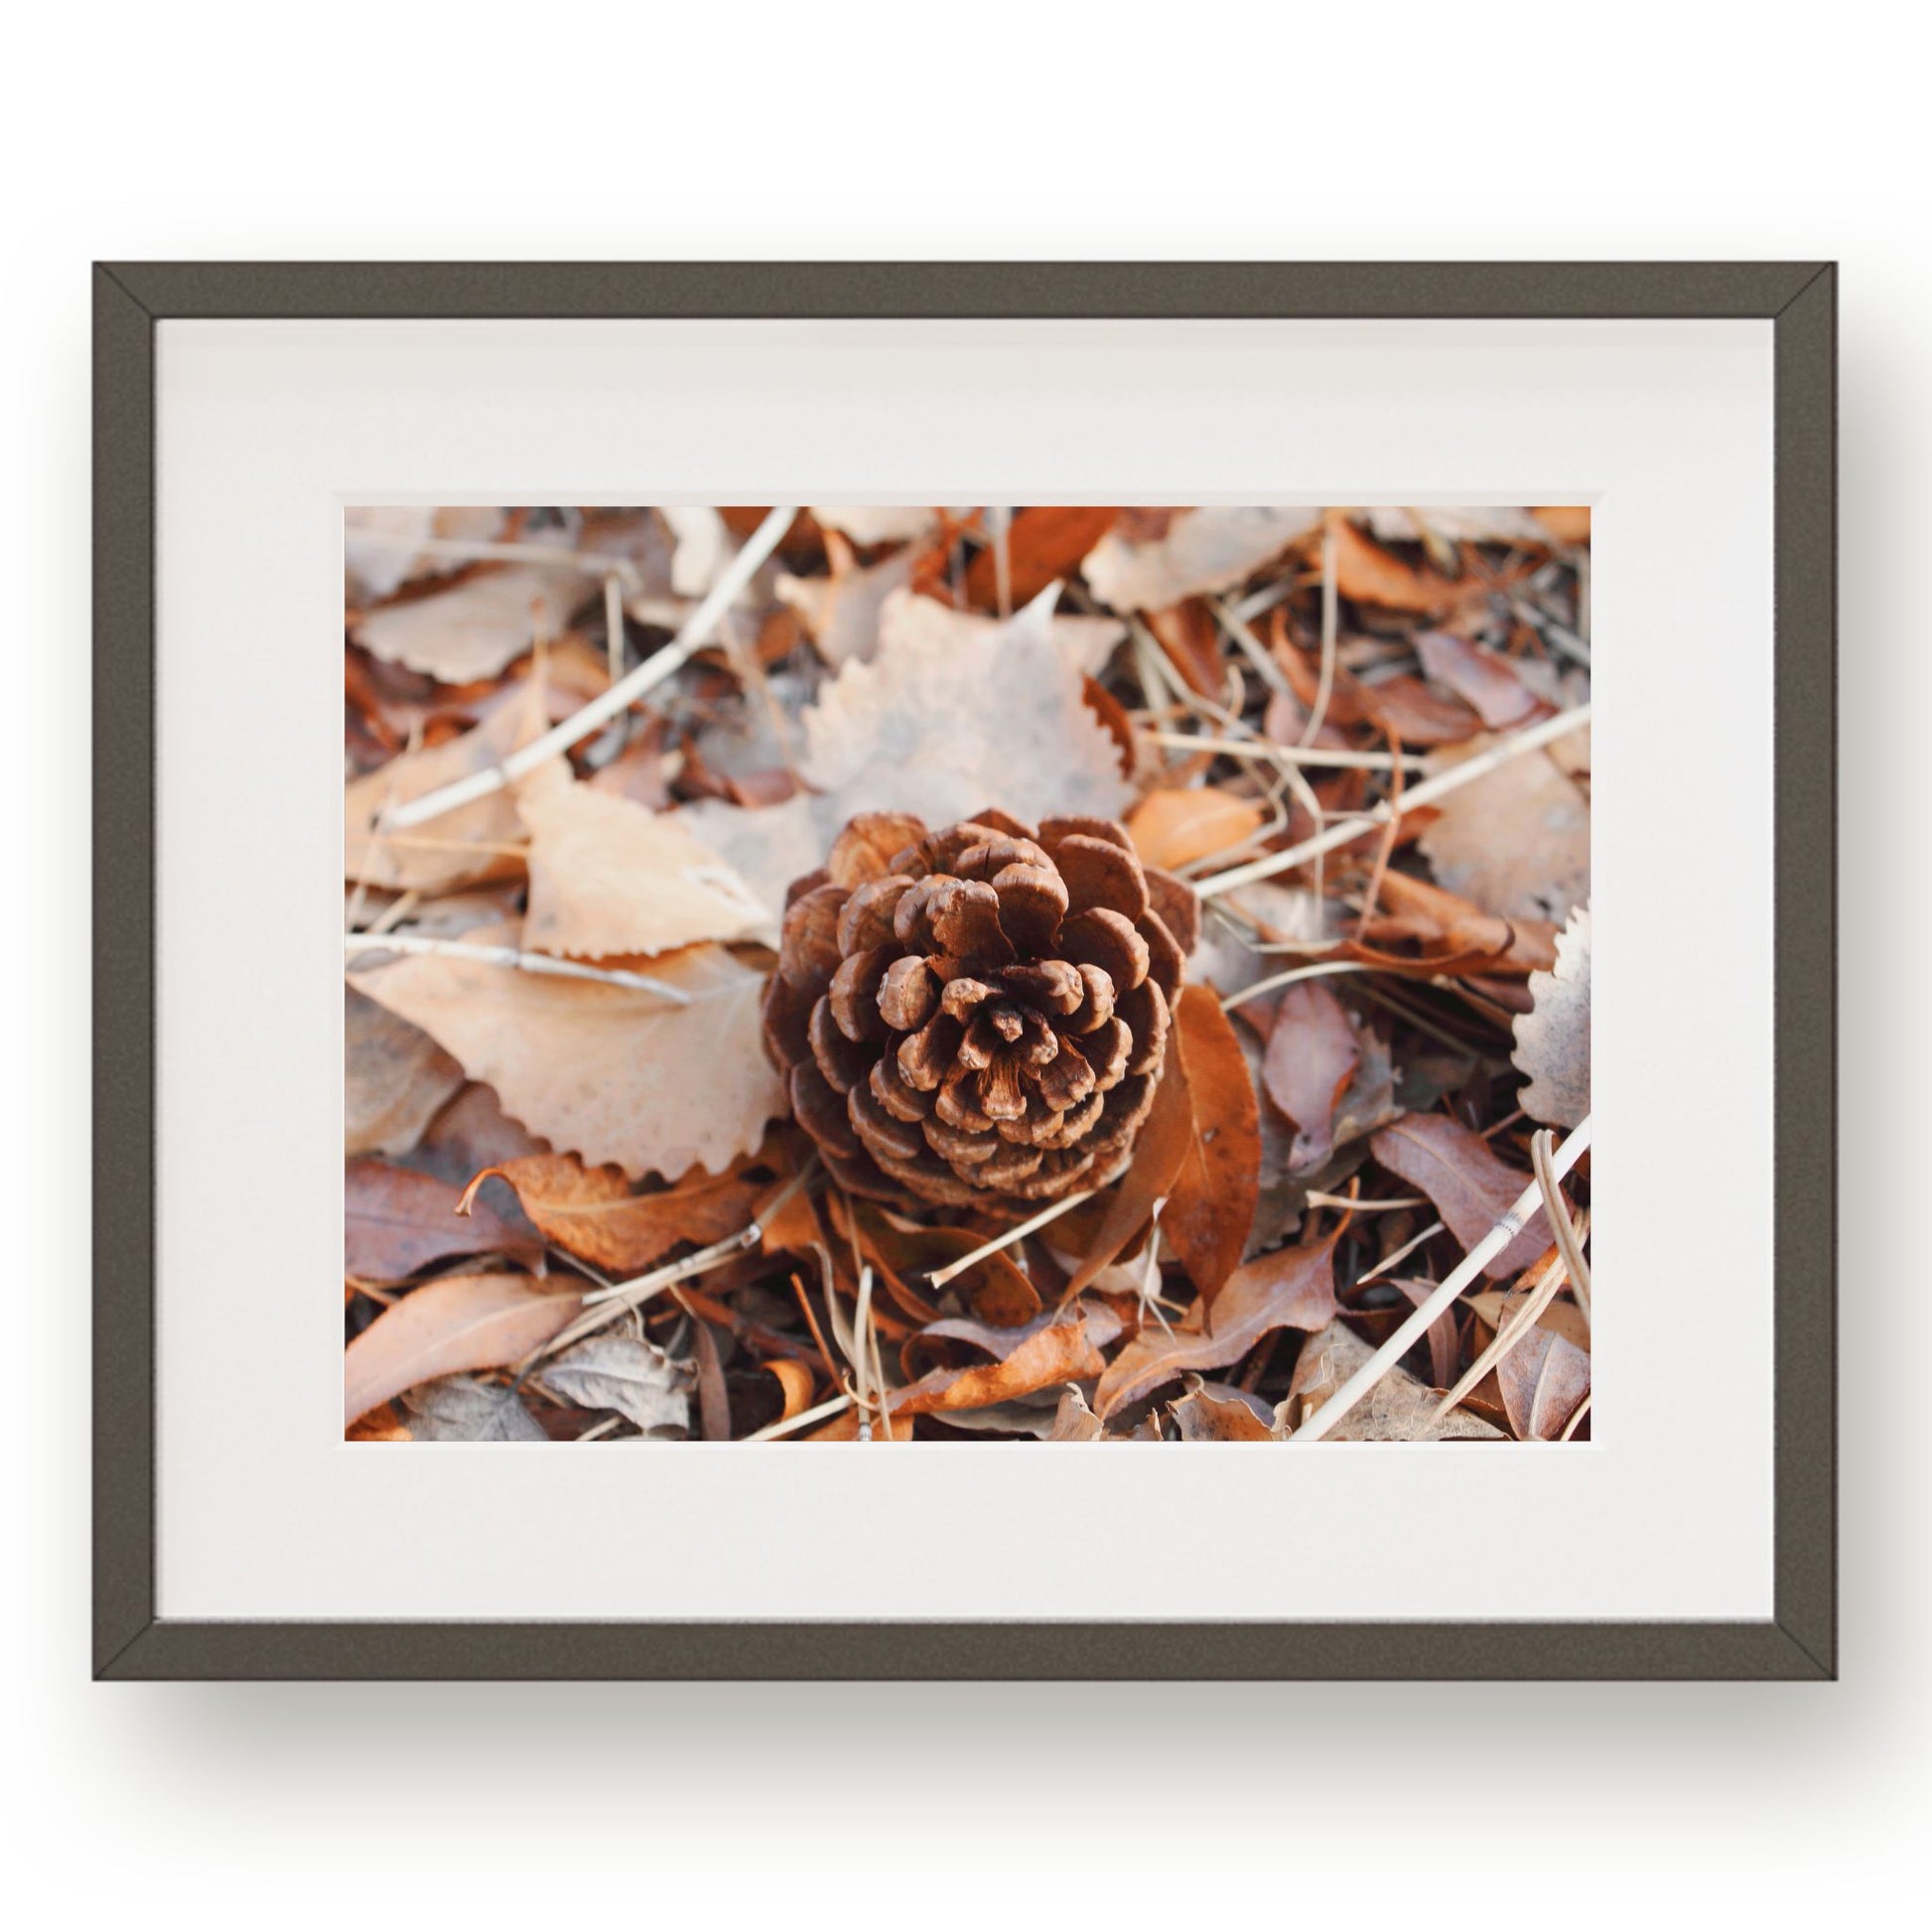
{"points": [[765, 847], [397, 1077], [478, 627], [398, 1223], [462, 1322], [874, 523], [1471, 1188], [840, 611], [1496, 1306], [957, 712], [1313, 1053], [1062, 1352], [1365, 573], [1568, 523], [1173, 828], [703, 547], [1543, 1379], [1553, 1038], [1204, 1417], [607, 1072], [456, 848], [1293, 1288], [471, 1133], [608, 877], [459, 1408], [1516, 841], [617, 1371], [1215, 1192], [1396, 1410], [1192, 639], [1043, 543], [380, 544], [1200, 551], [1074, 1421], [1454, 523], [1484, 679], [594, 1213], [1102, 1326]]}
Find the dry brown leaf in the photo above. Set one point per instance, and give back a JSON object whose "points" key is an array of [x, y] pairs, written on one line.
{"points": [[1313, 1053], [378, 565], [1516, 841], [462, 1322], [959, 711], [1396, 1410], [618, 1371], [1043, 543], [1200, 551], [1074, 1421], [456, 848], [593, 1212], [1365, 573], [840, 611], [1061, 1351], [397, 1078], [1471, 1188], [1293, 1288], [1173, 827], [478, 627], [608, 877], [1543, 1379], [1204, 1417], [1484, 679], [607, 1072], [1553, 1038], [1215, 1190], [459, 1408], [400, 1222], [1496, 1306]]}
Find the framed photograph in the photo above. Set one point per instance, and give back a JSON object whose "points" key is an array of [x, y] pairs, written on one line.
{"points": [[957, 968]]}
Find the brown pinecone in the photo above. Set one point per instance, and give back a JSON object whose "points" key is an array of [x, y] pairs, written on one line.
{"points": [[976, 1017]]}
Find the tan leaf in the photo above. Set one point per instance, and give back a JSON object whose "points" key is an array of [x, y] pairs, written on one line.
{"points": [[957, 712], [1454, 523], [1365, 573], [1396, 1410], [1293, 1288], [840, 611], [593, 1212], [872, 524], [1472, 1189], [1543, 1379], [1553, 1038], [1204, 1417], [379, 543], [459, 1408], [618, 1371], [608, 877], [476, 627], [1313, 1053], [1516, 841], [1568, 523], [1207, 1215], [607, 1072], [704, 547], [462, 1322], [398, 1223], [1174, 827], [1074, 1421], [456, 848], [1200, 551], [397, 1078]]}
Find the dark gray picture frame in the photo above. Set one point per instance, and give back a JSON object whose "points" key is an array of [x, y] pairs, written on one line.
{"points": [[1800, 1641]]}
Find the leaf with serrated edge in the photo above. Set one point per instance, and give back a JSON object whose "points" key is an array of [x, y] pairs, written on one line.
{"points": [[1553, 1038]]}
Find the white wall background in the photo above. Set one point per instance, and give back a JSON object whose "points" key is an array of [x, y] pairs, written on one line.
{"points": [[1205, 130]]}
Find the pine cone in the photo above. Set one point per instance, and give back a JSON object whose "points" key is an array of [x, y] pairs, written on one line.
{"points": [[977, 1017]]}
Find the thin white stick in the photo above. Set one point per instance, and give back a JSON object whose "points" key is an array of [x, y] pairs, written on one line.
{"points": [[1261, 751], [613, 626], [700, 1262], [1412, 1331], [1564, 1229], [1271, 673], [1403, 1253], [1426, 793], [692, 637], [1331, 627], [523, 962], [939, 1277], [1233, 1000], [820, 1414]]}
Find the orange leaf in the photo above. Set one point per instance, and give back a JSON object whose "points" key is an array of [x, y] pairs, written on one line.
{"points": [[1172, 828], [1365, 573], [1213, 1205], [1041, 544]]}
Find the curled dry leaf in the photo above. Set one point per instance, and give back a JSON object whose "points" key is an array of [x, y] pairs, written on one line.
{"points": [[621, 1372], [610, 876], [607, 1072], [1484, 679], [462, 1322], [1313, 1053], [1061, 1351], [1042, 544], [478, 627], [1215, 1188], [397, 1078], [1396, 1410], [1175, 827], [1365, 573], [1293, 1288], [1200, 551], [1200, 1416], [458, 848], [1553, 1038], [400, 1222], [459, 1408], [593, 1212], [1472, 1189], [1516, 841], [1543, 1378]]}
